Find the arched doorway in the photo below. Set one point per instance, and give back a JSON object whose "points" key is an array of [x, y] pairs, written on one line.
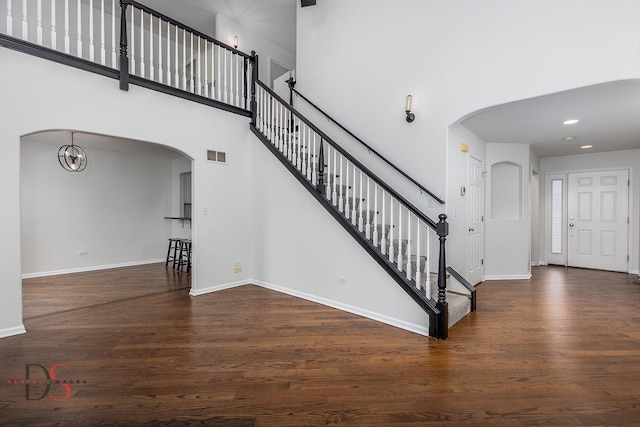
{"points": [[78, 228]]}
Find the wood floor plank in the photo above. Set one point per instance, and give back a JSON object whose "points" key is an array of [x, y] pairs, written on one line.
{"points": [[559, 349]]}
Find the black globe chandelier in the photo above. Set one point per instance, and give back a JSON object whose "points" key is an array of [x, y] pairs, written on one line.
{"points": [[72, 158]]}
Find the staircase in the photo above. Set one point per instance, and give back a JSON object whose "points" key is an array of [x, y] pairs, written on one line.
{"points": [[159, 53], [405, 242]]}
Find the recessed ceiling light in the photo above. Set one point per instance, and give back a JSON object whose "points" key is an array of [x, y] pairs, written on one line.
{"points": [[570, 122], [568, 138], [586, 146]]}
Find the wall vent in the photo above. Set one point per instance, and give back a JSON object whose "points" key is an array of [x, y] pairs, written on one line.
{"points": [[217, 156]]}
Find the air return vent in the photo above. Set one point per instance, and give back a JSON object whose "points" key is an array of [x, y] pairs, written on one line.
{"points": [[217, 156]]}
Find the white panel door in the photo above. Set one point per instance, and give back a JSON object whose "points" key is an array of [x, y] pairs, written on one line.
{"points": [[475, 215], [597, 211]]}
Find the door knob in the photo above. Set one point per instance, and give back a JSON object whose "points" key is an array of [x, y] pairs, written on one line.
{"points": [[571, 224]]}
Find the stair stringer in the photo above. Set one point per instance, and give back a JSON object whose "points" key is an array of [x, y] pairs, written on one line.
{"points": [[435, 314]]}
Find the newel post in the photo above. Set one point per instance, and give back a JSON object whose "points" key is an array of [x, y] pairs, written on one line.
{"points": [[254, 79], [124, 59], [292, 84], [442, 229]]}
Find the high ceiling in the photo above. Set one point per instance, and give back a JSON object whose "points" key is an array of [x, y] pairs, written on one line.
{"points": [[608, 112], [609, 117]]}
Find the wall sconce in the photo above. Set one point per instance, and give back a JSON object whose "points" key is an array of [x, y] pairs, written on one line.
{"points": [[235, 42], [407, 109]]}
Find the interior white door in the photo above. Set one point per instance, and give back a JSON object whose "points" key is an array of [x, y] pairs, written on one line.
{"points": [[475, 216], [597, 219]]}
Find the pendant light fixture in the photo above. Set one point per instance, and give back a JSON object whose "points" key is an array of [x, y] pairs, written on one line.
{"points": [[72, 158]]}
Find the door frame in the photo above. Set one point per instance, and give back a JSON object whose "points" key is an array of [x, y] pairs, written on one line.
{"points": [[565, 232]]}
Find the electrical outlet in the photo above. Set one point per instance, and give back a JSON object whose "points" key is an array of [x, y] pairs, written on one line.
{"points": [[342, 280], [237, 269]]}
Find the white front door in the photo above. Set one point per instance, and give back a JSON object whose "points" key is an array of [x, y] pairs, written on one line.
{"points": [[597, 220], [475, 226]]}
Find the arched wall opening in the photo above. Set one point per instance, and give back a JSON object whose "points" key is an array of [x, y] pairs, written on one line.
{"points": [[112, 214]]}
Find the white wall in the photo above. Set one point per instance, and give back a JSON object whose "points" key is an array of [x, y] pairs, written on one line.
{"points": [[627, 159], [360, 58], [43, 95], [507, 239], [113, 210]]}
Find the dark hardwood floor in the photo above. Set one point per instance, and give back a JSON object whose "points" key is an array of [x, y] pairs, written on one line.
{"points": [[54, 294], [560, 349]]}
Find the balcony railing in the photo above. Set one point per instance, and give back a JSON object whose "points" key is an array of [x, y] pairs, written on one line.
{"points": [[126, 39]]}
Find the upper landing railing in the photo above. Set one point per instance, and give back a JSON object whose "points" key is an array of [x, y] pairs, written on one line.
{"points": [[129, 41]]}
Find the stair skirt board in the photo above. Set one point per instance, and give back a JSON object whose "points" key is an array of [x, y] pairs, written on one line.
{"points": [[9, 332], [459, 306], [92, 268]]}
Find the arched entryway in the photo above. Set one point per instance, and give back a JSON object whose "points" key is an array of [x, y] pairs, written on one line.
{"points": [[109, 216]]}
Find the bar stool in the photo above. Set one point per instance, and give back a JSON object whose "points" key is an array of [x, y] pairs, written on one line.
{"points": [[174, 246], [184, 259]]}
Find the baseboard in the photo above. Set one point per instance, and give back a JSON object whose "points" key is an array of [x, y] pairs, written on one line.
{"points": [[210, 289], [9, 332], [91, 268], [636, 272], [401, 324], [514, 277]]}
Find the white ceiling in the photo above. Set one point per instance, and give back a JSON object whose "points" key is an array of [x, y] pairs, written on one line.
{"points": [[609, 117]]}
